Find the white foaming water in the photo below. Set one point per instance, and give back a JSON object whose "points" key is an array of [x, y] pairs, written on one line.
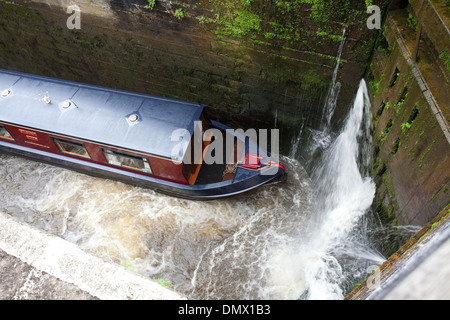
{"points": [[343, 197], [211, 250], [280, 241]]}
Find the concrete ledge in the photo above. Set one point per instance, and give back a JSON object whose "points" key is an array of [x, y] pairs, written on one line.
{"points": [[417, 271], [426, 276], [20, 281], [50, 255]]}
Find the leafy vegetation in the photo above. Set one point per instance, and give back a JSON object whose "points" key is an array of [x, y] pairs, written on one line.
{"points": [[162, 281], [407, 125], [150, 5], [235, 18], [394, 78], [126, 264], [424, 154], [445, 57], [401, 101], [179, 14], [395, 146], [283, 20], [386, 131], [411, 21]]}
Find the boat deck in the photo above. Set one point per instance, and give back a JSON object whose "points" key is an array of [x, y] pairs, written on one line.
{"points": [[223, 170]]}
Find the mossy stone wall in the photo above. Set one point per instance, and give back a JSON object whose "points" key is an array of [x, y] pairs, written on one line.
{"points": [[411, 112], [255, 63]]}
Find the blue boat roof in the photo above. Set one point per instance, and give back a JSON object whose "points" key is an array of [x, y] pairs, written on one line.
{"points": [[96, 113]]}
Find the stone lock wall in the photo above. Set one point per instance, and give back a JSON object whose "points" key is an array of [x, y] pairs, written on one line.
{"points": [[411, 111], [260, 64]]}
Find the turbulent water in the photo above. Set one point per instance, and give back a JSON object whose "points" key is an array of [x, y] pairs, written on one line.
{"points": [[345, 193], [306, 238]]}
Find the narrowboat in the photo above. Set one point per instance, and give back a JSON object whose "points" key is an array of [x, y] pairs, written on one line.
{"points": [[128, 137]]}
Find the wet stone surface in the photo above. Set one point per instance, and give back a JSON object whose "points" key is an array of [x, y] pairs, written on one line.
{"points": [[20, 281]]}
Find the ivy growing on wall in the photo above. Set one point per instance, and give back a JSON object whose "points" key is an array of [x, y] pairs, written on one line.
{"points": [[285, 20]]}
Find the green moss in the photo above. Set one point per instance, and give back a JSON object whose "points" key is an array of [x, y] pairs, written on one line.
{"points": [[408, 124], [312, 80], [162, 281], [424, 154], [386, 131], [326, 35], [378, 168], [151, 4], [284, 20], [8, 2], [387, 182], [234, 18], [445, 57], [395, 146], [242, 24], [179, 14], [319, 9], [401, 101], [384, 202], [411, 21], [440, 218], [374, 87]]}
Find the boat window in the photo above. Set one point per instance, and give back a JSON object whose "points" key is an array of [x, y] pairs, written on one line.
{"points": [[130, 161], [5, 134], [71, 147]]}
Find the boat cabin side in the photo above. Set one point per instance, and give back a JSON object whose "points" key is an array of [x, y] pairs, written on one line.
{"points": [[188, 172], [109, 156]]}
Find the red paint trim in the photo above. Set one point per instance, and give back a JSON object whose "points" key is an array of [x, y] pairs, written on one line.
{"points": [[32, 138], [28, 132], [162, 168], [273, 163]]}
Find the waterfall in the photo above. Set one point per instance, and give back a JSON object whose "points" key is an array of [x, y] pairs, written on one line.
{"points": [[322, 136], [296, 144], [335, 250], [334, 90], [339, 175], [344, 195]]}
